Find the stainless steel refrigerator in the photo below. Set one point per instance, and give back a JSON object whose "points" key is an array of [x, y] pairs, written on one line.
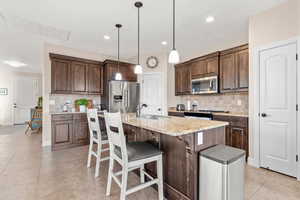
{"points": [[123, 96]]}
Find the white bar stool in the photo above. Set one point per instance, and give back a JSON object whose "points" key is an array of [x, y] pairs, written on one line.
{"points": [[96, 136], [131, 156]]}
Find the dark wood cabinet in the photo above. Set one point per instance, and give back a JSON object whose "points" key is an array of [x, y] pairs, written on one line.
{"points": [[95, 79], [126, 69], [61, 76], [70, 75], [234, 69], [79, 77], [182, 79], [62, 131], [207, 65], [236, 131], [81, 129], [69, 130]]}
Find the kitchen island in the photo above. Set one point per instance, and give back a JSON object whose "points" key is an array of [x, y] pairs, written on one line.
{"points": [[181, 140]]}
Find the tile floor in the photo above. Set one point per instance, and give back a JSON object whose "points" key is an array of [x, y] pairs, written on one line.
{"points": [[28, 172]]}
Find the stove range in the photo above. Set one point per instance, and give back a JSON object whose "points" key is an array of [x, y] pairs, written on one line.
{"points": [[213, 111]]}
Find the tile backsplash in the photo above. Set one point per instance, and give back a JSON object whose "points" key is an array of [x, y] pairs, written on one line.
{"points": [[60, 99], [228, 102]]}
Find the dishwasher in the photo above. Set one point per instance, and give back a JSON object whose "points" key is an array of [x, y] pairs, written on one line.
{"points": [[222, 171]]}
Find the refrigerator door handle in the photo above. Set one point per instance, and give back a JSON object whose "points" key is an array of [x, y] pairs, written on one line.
{"points": [[128, 98]]}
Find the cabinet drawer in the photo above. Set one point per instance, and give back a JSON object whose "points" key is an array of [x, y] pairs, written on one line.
{"points": [[62, 117], [80, 116], [232, 120]]}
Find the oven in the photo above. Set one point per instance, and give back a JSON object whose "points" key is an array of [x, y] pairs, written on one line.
{"points": [[206, 85]]}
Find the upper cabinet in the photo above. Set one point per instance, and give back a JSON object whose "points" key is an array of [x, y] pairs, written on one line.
{"points": [[71, 75], [126, 69], [182, 79], [204, 66], [234, 69]]}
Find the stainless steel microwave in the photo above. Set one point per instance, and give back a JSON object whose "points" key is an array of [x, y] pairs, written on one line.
{"points": [[206, 85]]}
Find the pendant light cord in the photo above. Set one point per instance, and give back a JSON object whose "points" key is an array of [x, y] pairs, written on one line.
{"points": [[138, 36], [173, 24], [118, 49]]}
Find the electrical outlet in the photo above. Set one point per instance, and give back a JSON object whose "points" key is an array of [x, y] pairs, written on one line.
{"points": [[239, 102], [52, 102]]}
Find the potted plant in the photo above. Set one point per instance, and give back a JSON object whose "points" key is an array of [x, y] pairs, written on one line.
{"points": [[81, 103]]}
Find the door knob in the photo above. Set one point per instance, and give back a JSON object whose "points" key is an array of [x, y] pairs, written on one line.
{"points": [[263, 114], [159, 109]]}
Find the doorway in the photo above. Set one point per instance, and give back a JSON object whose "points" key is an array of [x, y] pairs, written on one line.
{"points": [[26, 93], [152, 93], [278, 108]]}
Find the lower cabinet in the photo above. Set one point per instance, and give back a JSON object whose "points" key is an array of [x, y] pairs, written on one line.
{"points": [[69, 130], [236, 131]]}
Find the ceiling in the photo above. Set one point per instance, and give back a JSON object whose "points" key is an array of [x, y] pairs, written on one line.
{"points": [[26, 25]]}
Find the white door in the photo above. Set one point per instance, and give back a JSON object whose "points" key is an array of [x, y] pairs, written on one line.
{"points": [[278, 79], [25, 98], [152, 93]]}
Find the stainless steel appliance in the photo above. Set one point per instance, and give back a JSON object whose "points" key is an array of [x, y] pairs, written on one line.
{"points": [[123, 96], [206, 85], [180, 107]]}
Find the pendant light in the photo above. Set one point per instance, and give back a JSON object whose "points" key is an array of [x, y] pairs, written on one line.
{"points": [[174, 55], [118, 74], [138, 68]]}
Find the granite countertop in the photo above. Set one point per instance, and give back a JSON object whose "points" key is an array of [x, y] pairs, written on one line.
{"points": [[234, 114], [173, 126]]}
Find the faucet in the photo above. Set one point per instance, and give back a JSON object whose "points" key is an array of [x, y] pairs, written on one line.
{"points": [[139, 109]]}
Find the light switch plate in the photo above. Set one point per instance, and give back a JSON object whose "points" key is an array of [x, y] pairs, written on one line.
{"points": [[200, 138], [239, 102]]}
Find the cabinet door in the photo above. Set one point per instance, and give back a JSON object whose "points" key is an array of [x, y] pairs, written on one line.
{"points": [[62, 133], [238, 138], [178, 77], [242, 61], [79, 77], [60, 76], [185, 80], [128, 72], [213, 65], [228, 73], [81, 132], [95, 79], [199, 68]]}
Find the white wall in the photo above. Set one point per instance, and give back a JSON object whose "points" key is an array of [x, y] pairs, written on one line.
{"points": [[7, 77], [51, 48], [277, 24]]}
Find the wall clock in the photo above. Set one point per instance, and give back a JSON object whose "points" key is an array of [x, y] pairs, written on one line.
{"points": [[152, 62]]}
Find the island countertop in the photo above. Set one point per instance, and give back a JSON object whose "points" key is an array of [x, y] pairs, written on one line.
{"points": [[170, 125]]}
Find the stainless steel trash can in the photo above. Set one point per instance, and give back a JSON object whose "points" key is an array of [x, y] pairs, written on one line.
{"points": [[222, 173]]}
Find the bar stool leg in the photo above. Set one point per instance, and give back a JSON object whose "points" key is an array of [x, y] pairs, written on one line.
{"points": [[160, 179], [90, 154], [109, 178], [124, 183], [142, 176], [99, 146]]}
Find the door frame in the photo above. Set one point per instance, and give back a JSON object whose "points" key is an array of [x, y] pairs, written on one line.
{"points": [[254, 101], [164, 99]]}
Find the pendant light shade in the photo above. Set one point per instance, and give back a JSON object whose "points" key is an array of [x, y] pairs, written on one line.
{"points": [[118, 75], [174, 57], [138, 68]]}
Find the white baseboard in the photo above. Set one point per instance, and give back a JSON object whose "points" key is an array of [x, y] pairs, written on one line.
{"points": [[253, 162], [46, 143]]}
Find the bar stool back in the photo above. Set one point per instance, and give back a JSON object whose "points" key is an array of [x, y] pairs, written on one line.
{"points": [[96, 136], [131, 156]]}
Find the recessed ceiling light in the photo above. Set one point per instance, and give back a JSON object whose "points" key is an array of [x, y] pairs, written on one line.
{"points": [[14, 63], [210, 19], [164, 43], [106, 37]]}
